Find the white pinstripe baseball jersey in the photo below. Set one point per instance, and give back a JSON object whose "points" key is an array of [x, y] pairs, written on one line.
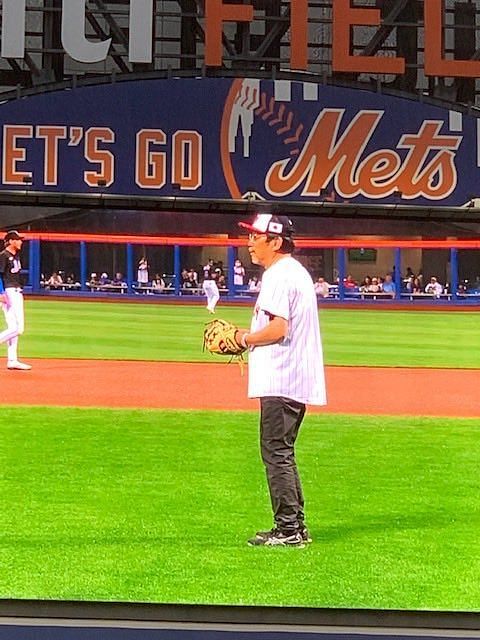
{"points": [[294, 367]]}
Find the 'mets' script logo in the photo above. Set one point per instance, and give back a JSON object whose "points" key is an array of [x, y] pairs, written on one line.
{"points": [[327, 155], [299, 147]]}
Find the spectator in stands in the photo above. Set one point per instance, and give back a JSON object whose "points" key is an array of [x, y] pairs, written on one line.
{"points": [[349, 282], [408, 283], [254, 284], [184, 279], [364, 287], [238, 273], [142, 272], [434, 288], [118, 282], [220, 278], [409, 274], [104, 279], [375, 286], [416, 285], [55, 281], [322, 288], [193, 278], [72, 282], [94, 281], [158, 284], [388, 285]]}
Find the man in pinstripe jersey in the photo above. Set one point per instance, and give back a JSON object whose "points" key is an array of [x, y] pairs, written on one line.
{"points": [[285, 370]]}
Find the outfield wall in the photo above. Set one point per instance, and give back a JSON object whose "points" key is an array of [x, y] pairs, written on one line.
{"points": [[334, 259]]}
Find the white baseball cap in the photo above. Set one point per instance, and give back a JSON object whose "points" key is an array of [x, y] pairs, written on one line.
{"points": [[268, 223]]}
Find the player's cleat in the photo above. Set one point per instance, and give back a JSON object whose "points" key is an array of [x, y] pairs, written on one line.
{"points": [[19, 366], [277, 538], [304, 532]]}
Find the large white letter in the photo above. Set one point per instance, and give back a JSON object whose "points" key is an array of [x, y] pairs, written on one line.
{"points": [[13, 29], [141, 31], [73, 34]]}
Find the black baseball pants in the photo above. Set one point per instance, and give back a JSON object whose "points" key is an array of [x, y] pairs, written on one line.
{"points": [[280, 420]]}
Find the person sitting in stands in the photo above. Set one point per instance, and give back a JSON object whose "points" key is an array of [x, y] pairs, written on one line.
{"points": [[375, 286], [388, 285], [193, 278], [72, 281], [434, 288], [416, 285], [119, 281], [322, 288], [254, 284], [158, 284], [367, 281], [184, 280], [349, 283], [55, 281], [94, 282]]}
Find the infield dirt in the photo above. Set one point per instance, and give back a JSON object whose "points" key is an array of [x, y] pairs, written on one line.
{"points": [[220, 386]]}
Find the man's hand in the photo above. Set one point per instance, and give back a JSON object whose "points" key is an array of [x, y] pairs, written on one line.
{"points": [[240, 335], [274, 332]]}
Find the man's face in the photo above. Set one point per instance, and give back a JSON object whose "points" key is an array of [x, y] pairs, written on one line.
{"points": [[15, 245], [262, 249]]}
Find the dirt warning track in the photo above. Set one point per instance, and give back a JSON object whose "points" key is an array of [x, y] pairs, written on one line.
{"points": [[361, 390]]}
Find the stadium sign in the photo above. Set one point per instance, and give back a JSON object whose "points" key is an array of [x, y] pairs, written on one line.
{"points": [[272, 140], [141, 25]]}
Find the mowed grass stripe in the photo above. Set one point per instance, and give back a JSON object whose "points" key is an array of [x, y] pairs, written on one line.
{"points": [[110, 330], [157, 506]]}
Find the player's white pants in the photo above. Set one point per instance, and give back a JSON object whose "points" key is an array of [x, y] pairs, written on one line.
{"points": [[14, 316], [211, 291]]}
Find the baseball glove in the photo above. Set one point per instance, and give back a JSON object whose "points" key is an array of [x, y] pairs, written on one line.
{"points": [[219, 338]]}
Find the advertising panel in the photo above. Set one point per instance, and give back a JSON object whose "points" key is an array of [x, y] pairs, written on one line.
{"points": [[236, 138]]}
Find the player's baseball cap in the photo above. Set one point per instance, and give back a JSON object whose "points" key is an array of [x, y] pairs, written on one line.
{"points": [[13, 235], [280, 226]]}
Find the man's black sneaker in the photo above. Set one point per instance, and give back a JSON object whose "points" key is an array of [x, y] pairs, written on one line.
{"points": [[277, 538], [303, 532]]}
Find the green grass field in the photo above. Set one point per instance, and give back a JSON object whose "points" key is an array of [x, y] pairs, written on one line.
{"points": [[167, 332], [157, 505]]}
